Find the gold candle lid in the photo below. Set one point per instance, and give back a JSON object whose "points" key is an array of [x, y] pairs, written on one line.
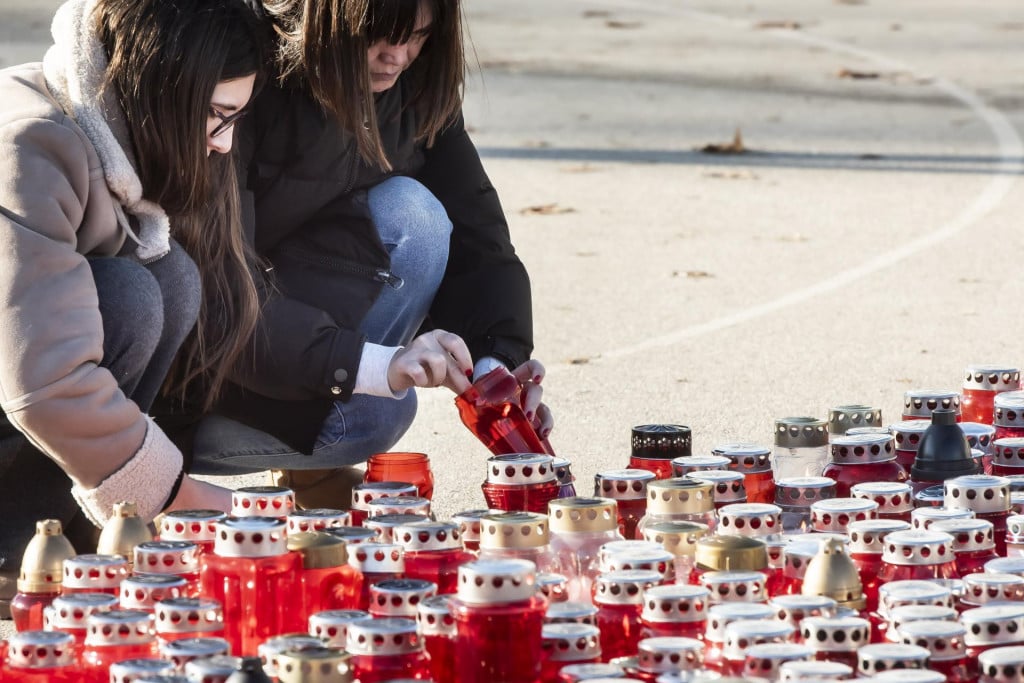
{"points": [[314, 665], [123, 532], [319, 550], [42, 565], [679, 497], [514, 530], [731, 553], [833, 574], [679, 538], [578, 514]]}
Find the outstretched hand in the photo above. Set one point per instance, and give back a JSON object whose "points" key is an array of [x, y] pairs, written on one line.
{"points": [[433, 359], [530, 374]]}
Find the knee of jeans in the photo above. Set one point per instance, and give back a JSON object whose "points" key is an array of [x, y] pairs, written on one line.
{"points": [[132, 308], [405, 211], [179, 281]]}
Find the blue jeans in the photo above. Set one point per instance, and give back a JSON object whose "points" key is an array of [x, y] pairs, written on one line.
{"points": [[414, 227]]}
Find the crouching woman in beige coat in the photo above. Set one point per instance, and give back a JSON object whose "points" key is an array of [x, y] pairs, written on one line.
{"points": [[117, 199]]}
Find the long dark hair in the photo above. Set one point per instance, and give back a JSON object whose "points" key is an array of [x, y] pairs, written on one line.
{"points": [[325, 43], [165, 59]]}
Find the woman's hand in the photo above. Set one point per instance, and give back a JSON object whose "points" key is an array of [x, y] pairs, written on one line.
{"points": [[530, 374], [433, 359], [200, 495]]}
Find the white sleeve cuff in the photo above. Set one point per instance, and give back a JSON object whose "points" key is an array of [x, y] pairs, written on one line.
{"points": [[145, 480], [485, 365], [372, 376]]}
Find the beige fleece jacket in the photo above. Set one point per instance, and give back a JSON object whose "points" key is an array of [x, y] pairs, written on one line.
{"points": [[56, 208]]}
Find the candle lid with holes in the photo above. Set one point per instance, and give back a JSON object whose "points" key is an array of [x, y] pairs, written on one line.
{"points": [[801, 432], [992, 378], [862, 449], [669, 655], [624, 587], [40, 650], [579, 515], [316, 519], [427, 536], [166, 557], [384, 525], [698, 463], [679, 538], [980, 493], [495, 582], [251, 537], [803, 491], [1002, 663], [843, 418], [766, 659], [969, 535], [795, 608], [813, 670], [135, 669], [728, 486], [398, 505], [723, 614], [262, 501], [655, 559], [369, 491], [215, 668], [676, 604], [179, 651], [514, 530], [984, 587], [1008, 409], [868, 536], [892, 497], [943, 639], [750, 519], [119, 627], [434, 616], [921, 403], [270, 649], [331, 626], [571, 642], [735, 586], [399, 597], [879, 657], [315, 665], [679, 497], [746, 457], [724, 553], [993, 625], [143, 591], [743, 633], [923, 518], [377, 558], [624, 484], [96, 572], [661, 441], [835, 634], [918, 548], [70, 612], [197, 526], [352, 535], [520, 469], [578, 612], [836, 514], [908, 433]]}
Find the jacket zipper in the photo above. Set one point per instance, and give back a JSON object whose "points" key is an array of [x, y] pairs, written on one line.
{"points": [[381, 275]]}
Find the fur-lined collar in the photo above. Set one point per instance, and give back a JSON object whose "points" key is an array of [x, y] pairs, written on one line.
{"points": [[75, 67]]}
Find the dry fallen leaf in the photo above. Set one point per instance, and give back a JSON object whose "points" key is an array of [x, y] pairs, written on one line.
{"points": [[546, 210], [586, 254], [582, 168], [596, 13], [697, 274], [857, 75], [779, 23], [794, 237], [732, 175], [734, 147], [612, 23], [579, 361]]}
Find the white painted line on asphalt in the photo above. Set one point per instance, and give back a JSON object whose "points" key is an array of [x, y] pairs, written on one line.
{"points": [[1008, 142]]}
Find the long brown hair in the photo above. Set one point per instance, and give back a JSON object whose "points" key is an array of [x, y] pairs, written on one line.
{"points": [[324, 43], [165, 59]]}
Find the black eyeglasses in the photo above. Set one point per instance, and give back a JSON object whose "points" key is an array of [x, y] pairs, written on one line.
{"points": [[226, 120]]}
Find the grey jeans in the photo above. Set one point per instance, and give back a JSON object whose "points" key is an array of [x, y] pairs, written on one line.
{"points": [[147, 312]]}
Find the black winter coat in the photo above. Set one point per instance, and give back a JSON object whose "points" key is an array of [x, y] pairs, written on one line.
{"points": [[304, 186]]}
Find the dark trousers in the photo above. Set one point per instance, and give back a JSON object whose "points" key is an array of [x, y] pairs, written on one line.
{"points": [[147, 310]]}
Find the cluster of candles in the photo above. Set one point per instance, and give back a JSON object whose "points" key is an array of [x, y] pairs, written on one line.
{"points": [[850, 549]]}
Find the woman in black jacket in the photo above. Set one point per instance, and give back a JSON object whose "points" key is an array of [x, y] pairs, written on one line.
{"points": [[377, 221]]}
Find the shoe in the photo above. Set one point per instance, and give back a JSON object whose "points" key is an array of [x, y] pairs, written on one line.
{"points": [[319, 489]]}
